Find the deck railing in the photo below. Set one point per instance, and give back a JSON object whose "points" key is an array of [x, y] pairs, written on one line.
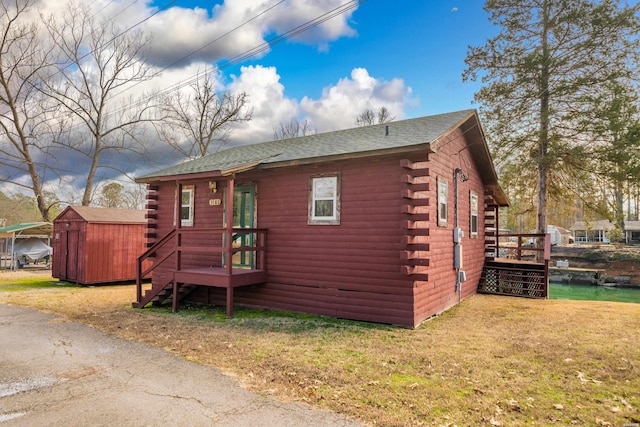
{"points": [[521, 267], [532, 247], [177, 236]]}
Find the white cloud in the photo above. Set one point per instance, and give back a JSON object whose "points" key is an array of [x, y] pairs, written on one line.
{"points": [[227, 30], [337, 108], [238, 26], [341, 104], [267, 100]]}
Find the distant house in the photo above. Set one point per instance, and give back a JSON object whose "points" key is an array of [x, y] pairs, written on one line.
{"points": [[97, 245], [592, 231], [366, 223], [632, 231]]}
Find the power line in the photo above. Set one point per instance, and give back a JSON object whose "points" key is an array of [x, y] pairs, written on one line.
{"points": [[350, 5]]}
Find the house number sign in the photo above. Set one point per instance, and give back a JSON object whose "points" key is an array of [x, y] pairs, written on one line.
{"points": [[215, 202]]}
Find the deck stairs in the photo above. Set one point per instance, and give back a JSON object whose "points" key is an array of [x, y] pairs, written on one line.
{"points": [[159, 294]]}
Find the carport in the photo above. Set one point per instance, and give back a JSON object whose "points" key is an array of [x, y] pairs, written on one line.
{"points": [[8, 236]]}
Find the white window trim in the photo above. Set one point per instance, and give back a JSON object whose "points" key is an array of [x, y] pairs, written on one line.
{"points": [[443, 198], [192, 192], [473, 212], [334, 218]]}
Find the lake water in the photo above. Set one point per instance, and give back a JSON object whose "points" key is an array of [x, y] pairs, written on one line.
{"points": [[593, 293]]}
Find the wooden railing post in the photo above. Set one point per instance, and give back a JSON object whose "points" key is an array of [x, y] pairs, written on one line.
{"points": [[229, 227], [139, 279]]}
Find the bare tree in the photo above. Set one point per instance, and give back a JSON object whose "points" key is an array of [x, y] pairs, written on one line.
{"points": [[370, 117], [199, 122], [98, 63], [23, 116], [293, 129]]}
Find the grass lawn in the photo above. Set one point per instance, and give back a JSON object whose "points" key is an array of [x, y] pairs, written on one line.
{"points": [[489, 361]]}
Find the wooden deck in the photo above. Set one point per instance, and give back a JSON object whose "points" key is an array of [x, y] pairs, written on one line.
{"points": [[182, 280], [218, 277], [517, 276]]}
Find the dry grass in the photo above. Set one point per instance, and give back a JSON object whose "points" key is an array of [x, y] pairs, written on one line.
{"points": [[490, 361]]}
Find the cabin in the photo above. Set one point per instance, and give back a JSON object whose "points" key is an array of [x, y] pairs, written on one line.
{"points": [[97, 245], [385, 223]]}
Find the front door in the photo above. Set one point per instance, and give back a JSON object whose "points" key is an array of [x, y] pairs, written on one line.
{"points": [[244, 217]]}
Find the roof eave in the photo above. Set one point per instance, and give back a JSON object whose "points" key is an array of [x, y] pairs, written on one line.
{"points": [[179, 177], [349, 156], [288, 163]]}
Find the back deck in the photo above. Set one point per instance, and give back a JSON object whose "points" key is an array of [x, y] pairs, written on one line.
{"points": [[522, 269]]}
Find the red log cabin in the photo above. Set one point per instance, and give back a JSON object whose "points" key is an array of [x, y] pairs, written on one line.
{"points": [[383, 223]]}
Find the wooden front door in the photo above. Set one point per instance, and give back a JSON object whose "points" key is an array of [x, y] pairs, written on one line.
{"points": [[244, 210]]}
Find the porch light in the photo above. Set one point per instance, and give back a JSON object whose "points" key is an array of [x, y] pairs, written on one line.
{"points": [[213, 186]]}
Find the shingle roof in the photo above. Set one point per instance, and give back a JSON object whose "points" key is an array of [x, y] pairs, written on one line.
{"points": [[368, 139], [91, 214]]}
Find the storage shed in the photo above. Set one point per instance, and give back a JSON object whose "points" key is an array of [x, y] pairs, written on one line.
{"points": [[97, 245]]}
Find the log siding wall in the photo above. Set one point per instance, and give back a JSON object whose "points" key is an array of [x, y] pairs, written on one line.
{"points": [[438, 292], [387, 261]]}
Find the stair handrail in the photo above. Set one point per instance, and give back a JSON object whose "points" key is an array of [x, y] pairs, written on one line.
{"points": [[145, 255]]}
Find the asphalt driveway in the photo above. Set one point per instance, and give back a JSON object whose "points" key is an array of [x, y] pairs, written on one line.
{"points": [[54, 372]]}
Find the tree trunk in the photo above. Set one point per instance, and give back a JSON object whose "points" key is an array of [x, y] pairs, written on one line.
{"points": [[543, 137]]}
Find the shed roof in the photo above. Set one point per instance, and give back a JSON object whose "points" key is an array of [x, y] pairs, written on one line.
{"points": [[27, 229], [403, 135], [107, 215]]}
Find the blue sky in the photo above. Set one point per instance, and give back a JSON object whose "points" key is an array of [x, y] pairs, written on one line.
{"points": [[422, 42]]}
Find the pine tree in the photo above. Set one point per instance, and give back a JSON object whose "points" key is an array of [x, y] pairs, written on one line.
{"points": [[550, 57]]}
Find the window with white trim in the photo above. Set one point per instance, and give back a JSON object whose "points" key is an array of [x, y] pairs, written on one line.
{"points": [[324, 200], [186, 205], [473, 209], [443, 206]]}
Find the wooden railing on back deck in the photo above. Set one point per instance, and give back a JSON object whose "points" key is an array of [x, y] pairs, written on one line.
{"points": [[537, 246], [259, 247], [519, 269]]}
